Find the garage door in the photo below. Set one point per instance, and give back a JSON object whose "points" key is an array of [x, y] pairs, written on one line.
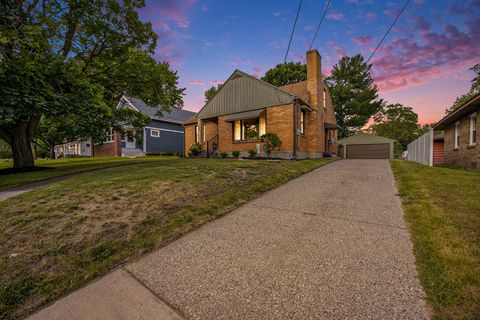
{"points": [[368, 151]]}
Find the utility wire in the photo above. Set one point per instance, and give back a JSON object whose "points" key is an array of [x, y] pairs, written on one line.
{"points": [[380, 43], [318, 27], [293, 30]]}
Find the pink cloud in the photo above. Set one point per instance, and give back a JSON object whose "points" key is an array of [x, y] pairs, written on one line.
{"points": [[340, 51], [407, 62], [238, 63], [363, 40], [216, 82], [257, 71], [169, 10], [196, 82], [371, 15], [334, 15]]}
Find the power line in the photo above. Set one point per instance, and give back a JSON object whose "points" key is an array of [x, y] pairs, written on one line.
{"points": [[293, 30], [318, 27], [380, 43]]}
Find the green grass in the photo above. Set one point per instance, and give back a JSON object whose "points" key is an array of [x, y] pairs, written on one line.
{"points": [[62, 167], [60, 237], [442, 210]]}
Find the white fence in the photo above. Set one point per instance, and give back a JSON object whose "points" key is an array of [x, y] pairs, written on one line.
{"points": [[421, 150]]}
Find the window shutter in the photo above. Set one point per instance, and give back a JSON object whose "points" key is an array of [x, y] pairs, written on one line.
{"points": [[237, 130], [262, 128]]}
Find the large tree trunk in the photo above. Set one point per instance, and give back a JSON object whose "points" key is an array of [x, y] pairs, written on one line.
{"points": [[20, 139]]}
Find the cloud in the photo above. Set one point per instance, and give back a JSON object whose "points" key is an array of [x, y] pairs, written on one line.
{"points": [[276, 13], [371, 15], [334, 15], [196, 82], [238, 63], [309, 27], [217, 82], [363, 40], [204, 8], [339, 50], [168, 11], [409, 62], [257, 71], [421, 24]]}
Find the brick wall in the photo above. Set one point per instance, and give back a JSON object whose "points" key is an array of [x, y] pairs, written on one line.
{"points": [[189, 137], [109, 149], [465, 155]]}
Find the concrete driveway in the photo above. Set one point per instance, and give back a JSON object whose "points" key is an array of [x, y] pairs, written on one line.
{"points": [[331, 244]]}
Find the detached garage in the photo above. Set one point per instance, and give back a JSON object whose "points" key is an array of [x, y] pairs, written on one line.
{"points": [[366, 146]]}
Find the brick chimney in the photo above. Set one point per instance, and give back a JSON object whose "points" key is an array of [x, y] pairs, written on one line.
{"points": [[314, 78]]}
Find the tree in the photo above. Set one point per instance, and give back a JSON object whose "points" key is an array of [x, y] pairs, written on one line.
{"points": [[286, 73], [211, 92], [270, 142], [474, 91], [59, 58], [354, 96], [397, 122]]}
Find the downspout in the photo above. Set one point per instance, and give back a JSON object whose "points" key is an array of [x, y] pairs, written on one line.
{"points": [[295, 136]]}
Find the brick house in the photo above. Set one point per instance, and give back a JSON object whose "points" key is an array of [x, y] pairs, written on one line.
{"points": [[244, 108], [461, 135]]}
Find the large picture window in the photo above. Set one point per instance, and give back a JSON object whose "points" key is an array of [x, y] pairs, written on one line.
{"points": [[248, 129]]}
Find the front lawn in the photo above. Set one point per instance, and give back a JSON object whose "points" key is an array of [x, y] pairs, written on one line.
{"points": [[442, 210], [62, 167], [60, 237]]}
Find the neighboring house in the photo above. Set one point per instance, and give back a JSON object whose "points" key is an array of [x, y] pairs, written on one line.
{"points": [[427, 149], [461, 135], [244, 108], [73, 149], [163, 134], [366, 146]]}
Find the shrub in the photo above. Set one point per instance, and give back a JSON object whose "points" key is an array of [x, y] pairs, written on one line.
{"points": [[235, 153], [252, 153], [223, 155], [195, 149], [270, 142]]}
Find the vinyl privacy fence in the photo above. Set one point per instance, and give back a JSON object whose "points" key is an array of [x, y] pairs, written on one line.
{"points": [[421, 150]]}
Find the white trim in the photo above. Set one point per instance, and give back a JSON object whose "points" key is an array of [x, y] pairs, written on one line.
{"points": [[473, 122], [130, 104], [144, 140], [164, 129], [456, 126], [155, 136]]}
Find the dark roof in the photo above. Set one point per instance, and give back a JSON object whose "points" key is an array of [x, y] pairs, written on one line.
{"points": [[174, 115], [469, 107], [363, 138], [192, 120]]}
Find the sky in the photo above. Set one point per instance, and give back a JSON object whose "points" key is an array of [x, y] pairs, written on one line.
{"points": [[423, 63]]}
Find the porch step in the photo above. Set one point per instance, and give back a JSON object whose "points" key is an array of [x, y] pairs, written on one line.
{"points": [[133, 153]]}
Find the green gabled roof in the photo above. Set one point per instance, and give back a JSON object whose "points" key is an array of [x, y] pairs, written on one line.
{"points": [[363, 138], [242, 92]]}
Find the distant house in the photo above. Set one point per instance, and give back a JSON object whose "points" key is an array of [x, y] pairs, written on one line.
{"points": [[245, 108], [164, 133], [461, 135]]}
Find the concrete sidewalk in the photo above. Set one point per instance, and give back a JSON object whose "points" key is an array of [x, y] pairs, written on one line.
{"points": [[329, 245]]}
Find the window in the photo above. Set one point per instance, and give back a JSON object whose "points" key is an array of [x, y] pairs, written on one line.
{"points": [[457, 135], [324, 98], [302, 122], [473, 129], [154, 133], [196, 134], [249, 129], [204, 133], [110, 135]]}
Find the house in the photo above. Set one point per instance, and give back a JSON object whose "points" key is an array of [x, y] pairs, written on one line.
{"points": [[245, 108], [461, 135], [366, 146], [163, 134], [73, 149], [427, 149]]}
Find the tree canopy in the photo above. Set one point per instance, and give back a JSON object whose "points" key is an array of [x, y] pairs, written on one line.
{"points": [[211, 92], [286, 73], [71, 59], [474, 91], [354, 96], [397, 122]]}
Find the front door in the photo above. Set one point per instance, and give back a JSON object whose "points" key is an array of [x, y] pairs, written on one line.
{"points": [[130, 139]]}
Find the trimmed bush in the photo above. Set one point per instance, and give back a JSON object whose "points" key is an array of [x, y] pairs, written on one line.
{"points": [[223, 155], [252, 153], [235, 154], [195, 149]]}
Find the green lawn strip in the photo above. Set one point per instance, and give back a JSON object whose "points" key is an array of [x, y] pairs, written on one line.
{"points": [[60, 237], [442, 210], [64, 167]]}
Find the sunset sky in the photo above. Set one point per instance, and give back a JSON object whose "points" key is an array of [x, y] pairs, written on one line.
{"points": [[424, 62]]}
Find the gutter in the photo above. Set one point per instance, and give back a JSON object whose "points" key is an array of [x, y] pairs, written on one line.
{"points": [[295, 137]]}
